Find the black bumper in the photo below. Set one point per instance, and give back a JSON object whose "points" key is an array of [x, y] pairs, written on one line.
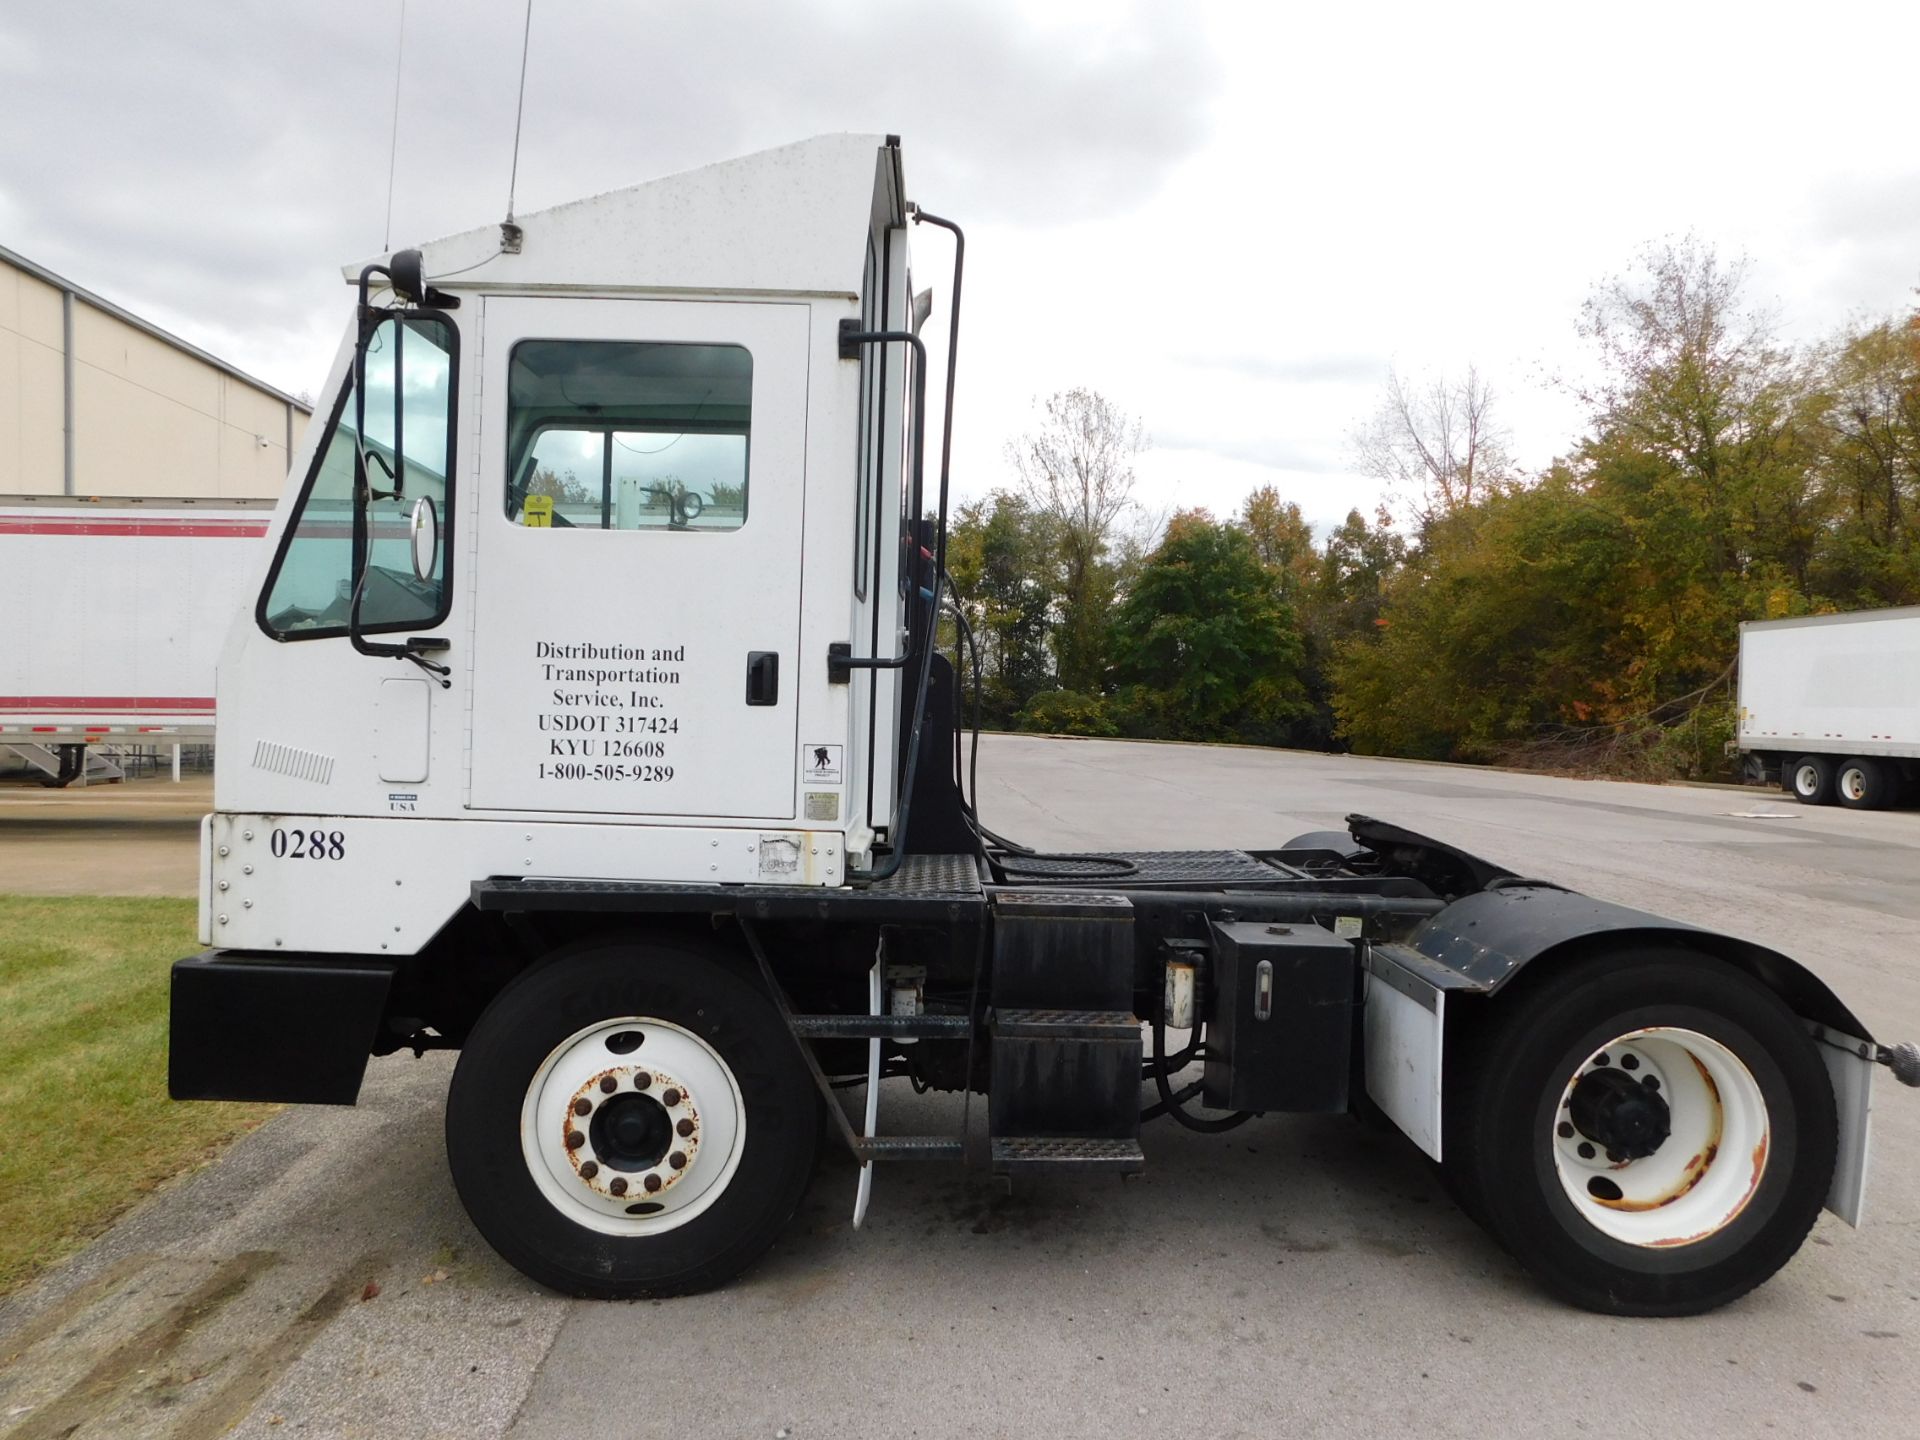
{"points": [[295, 1028]]}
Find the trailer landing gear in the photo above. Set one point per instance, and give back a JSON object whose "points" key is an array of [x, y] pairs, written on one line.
{"points": [[631, 1120], [1645, 1156]]}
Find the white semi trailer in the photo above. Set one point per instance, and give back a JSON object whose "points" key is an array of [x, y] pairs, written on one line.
{"points": [[1830, 706], [587, 718], [115, 613]]}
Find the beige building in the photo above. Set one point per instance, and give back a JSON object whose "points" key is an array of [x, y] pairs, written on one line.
{"points": [[96, 401]]}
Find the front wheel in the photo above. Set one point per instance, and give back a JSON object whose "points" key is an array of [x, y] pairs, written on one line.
{"points": [[631, 1120], [1649, 1135]]}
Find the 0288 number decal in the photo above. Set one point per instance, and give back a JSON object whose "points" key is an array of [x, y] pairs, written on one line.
{"points": [[308, 844]]}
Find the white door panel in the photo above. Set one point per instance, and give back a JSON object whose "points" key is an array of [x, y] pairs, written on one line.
{"points": [[614, 617]]}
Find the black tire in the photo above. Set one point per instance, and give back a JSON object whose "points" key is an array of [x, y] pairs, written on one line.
{"points": [[1501, 1152], [1863, 784], [1809, 779], [685, 988]]}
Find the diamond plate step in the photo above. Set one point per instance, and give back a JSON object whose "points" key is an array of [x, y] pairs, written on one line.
{"points": [[1065, 1024], [910, 1147], [1061, 1154]]}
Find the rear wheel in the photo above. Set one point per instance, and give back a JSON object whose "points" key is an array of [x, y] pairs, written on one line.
{"points": [[1864, 784], [1651, 1135], [631, 1120], [1810, 778]]}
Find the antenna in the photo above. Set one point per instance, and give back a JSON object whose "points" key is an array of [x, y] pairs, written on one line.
{"points": [[510, 232], [393, 145]]}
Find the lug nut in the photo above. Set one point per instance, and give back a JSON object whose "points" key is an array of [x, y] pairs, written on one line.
{"points": [[1629, 1062], [589, 1170], [684, 1128], [608, 1084], [618, 1185], [642, 1080], [652, 1182], [582, 1106], [1652, 1082], [1566, 1131], [677, 1160], [1586, 1151], [575, 1139], [670, 1098]]}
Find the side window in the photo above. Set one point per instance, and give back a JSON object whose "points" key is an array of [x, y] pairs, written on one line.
{"points": [[617, 435], [309, 593]]}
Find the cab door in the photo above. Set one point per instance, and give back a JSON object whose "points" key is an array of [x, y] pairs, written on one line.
{"points": [[637, 560]]}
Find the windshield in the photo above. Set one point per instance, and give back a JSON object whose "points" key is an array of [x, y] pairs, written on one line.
{"points": [[409, 370]]}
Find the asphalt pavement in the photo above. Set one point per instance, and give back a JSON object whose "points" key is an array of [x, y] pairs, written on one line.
{"points": [[1298, 1276]]}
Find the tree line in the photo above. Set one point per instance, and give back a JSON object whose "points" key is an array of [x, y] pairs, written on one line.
{"points": [[1585, 615]]}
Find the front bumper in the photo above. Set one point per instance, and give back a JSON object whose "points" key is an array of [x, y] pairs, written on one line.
{"points": [[292, 1028]]}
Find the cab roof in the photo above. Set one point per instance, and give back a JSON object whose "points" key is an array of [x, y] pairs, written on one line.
{"points": [[792, 219]]}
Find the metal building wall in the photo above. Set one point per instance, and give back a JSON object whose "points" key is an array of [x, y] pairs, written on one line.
{"points": [[96, 401]]}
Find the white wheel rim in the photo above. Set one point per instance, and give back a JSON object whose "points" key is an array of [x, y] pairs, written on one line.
{"points": [[1806, 780], [599, 1082], [1695, 1182], [1853, 784]]}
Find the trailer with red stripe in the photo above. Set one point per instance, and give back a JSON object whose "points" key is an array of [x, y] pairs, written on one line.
{"points": [[116, 610]]}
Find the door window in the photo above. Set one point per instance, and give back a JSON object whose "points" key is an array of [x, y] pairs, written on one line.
{"points": [[607, 435]]}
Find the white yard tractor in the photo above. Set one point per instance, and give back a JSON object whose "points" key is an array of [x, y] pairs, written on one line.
{"points": [[589, 720]]}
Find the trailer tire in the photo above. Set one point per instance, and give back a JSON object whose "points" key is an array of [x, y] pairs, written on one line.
{"points": [[1810, 779], [711, 1110], [1863, 785], [1669, 1207]]}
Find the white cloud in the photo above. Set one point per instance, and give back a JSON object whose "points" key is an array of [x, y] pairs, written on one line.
{"points": [[1229, 217]]}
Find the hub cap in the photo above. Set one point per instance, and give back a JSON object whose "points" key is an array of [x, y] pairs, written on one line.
{"points": [[1661, 1137], [632, 1126]]}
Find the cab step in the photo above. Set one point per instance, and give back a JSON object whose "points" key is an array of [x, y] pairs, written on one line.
{"points": [[880, 1027], [909, 1147], [1066, 1154]]}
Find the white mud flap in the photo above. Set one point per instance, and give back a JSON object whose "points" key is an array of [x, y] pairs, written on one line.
{"points": [[1405, 1025], [1850, 1066]]}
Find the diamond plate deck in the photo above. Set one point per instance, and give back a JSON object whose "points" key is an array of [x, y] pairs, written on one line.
{"points": [[1152, 869], [926, 886]]}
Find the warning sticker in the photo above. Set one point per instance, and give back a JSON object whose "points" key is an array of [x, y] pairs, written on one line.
{"points": [[820, 764], [822, 805]]}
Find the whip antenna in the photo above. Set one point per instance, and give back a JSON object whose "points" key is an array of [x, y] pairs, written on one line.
{"points": [[393, 144], [510, 232]]}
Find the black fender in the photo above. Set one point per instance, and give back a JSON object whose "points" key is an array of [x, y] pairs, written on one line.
{"points": [[1488, 937]]}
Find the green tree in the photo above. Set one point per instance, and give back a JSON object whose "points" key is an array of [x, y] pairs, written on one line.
{"points": [[1204, 647], [1001, 556]]}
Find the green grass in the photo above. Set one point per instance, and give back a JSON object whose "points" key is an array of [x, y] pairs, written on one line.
{"points": [[86, 1128]]}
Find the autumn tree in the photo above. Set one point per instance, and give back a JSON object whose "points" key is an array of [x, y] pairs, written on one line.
{"points": [[1437, 443], [1076, 469], [1282, 541]]}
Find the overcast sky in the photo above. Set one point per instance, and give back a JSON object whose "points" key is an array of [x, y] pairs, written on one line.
{"points": [[1231, 218]]}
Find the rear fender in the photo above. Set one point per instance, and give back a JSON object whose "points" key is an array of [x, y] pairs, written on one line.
{"points": [[1489, 937], [1481, 942]]}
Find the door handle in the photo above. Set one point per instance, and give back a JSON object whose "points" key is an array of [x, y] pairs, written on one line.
{"points": [[763, 677]]}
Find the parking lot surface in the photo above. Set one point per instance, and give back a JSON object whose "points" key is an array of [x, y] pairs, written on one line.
{"points": [[1298, 1276]]}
